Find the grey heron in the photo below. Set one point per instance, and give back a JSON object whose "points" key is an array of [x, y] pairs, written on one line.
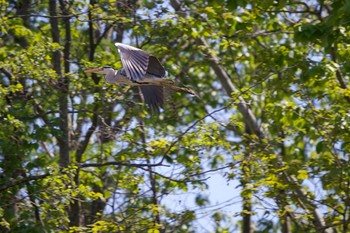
{"points": [[140, 69]]}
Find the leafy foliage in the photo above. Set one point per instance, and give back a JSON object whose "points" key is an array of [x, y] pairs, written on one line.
{"points": [[80, 155]]}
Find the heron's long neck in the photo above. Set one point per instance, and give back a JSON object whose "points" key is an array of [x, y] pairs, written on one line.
{"points": [[117, 77], [111, 76]]}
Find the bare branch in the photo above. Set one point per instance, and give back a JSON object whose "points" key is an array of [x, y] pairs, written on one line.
{"points": [[49, 16], [116, 163], [23, 181], [184, 180], [6, 72]]}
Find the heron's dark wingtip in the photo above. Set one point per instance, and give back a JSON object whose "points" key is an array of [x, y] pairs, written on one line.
{"points": [[154, 97]]}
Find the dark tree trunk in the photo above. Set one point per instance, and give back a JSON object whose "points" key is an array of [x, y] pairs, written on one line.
{"points": [[63, 138], [247, 204], [63, 93]]}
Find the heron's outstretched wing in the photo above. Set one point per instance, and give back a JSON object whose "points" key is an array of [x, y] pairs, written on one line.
{"points": [[155, 68], [137, 62], [153, 96]]}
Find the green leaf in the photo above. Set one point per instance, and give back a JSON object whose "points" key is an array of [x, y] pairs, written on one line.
{"points": [[320, 147], [302, 174]]}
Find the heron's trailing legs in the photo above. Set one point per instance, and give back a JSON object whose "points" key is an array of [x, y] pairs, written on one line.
{"points": [[183, 89]]}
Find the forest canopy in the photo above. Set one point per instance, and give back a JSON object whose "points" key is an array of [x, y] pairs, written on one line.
{"points": [[272, 115]]}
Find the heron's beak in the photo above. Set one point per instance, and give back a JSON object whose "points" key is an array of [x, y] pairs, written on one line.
{"points": [[95, 70]]}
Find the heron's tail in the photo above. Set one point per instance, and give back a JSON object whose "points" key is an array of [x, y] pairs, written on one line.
{"points": [[183, 89]]}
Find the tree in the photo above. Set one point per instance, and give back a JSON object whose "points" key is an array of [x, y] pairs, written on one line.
{"points": [[77, 154]]}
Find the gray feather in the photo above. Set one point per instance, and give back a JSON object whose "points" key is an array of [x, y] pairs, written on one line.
{"points": [[153, 96], [137, 63], [155, 68]]}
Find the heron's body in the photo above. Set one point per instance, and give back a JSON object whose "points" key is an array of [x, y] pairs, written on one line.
{"points": [[119, 77], [140, 69]]}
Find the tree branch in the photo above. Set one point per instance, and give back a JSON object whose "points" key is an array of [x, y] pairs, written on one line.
{"points": [[116, 163], [82, 165], [339, 75], [184, 180], [23, 181], [226, 82], [6, 72]]}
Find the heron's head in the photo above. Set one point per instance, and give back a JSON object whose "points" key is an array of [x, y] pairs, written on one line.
{"points": [[103, 70]]}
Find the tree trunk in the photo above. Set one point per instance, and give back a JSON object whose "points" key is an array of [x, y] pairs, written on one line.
{"points": [[63, 86], [247, 203], [63, 138]]}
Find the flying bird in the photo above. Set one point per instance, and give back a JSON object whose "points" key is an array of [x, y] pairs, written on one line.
{"points": [[140, 69]]}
